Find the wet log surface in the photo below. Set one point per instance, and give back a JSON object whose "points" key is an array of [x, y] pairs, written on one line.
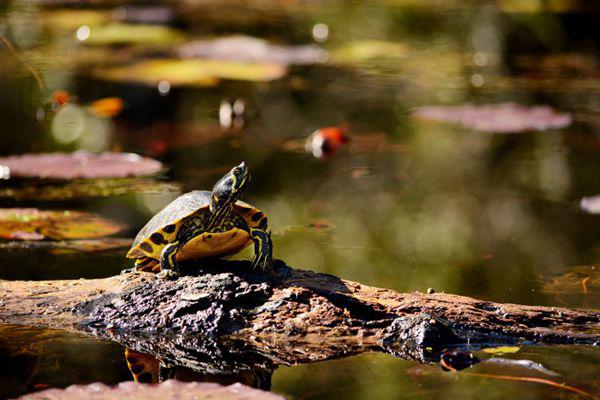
{"points": [[224, 317]]}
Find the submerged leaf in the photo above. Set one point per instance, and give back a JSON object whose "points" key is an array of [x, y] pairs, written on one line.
{"points": [[250, 49], [34, 224], [500, 118], [191, 72], [578, 280], [85, 189], [80, 165]]}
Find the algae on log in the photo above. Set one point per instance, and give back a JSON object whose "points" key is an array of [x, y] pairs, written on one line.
{"points": [[291, 316]]}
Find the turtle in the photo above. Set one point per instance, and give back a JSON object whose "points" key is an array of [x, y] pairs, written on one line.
{"points": [[204, 224]]}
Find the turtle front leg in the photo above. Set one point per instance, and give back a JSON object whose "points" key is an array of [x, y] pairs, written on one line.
{"points": [[168, 263], [263, 249]]}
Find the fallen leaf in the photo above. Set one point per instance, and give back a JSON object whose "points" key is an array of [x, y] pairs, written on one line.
{"points": [[80, 165], [34, 224], [499, 118]]}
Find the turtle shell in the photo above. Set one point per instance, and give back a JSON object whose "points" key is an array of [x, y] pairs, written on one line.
{"points": [[162, 229]]}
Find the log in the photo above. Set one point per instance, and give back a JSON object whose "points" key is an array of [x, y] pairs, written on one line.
{"points": [[222, 316]]}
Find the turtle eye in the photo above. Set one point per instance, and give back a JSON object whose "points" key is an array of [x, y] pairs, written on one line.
{"points": [[229, 182]]}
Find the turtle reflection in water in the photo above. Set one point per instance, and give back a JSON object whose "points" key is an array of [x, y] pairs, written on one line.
{"points": [[202, 224], [147, 369]]}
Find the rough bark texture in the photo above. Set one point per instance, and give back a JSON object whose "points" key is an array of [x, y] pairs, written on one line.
{"points": [[292, 316]]}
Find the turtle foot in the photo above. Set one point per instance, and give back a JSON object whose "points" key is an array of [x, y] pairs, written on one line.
{"points": [[167, 274]]}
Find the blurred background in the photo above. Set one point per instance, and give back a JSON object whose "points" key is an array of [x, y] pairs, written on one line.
{"points": [[326, 103]]}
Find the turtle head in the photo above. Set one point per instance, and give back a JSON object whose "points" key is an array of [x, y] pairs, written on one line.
{"points": [[230, 187]]}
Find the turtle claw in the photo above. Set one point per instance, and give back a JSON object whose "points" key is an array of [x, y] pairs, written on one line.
{"points": [[262, 263], [167, 274], [129, 271]]}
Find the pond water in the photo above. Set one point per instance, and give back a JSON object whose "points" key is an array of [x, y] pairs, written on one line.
{"points": [[406, 204]]}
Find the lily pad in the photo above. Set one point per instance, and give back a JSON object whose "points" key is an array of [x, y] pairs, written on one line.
{"points": [[250, 49], [80, 165], [591, 204], [368, 50], [34, 224], [191, 72], [499, 118], [86, 189], [76, 245], [132, 34], [170, 389]]}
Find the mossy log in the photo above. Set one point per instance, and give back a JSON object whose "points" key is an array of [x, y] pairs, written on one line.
{"points": [[291, 316]]}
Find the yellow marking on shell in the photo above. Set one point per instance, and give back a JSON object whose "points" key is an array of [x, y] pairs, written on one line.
{"points": [[142, 365], [141, 250], [210, 245]]}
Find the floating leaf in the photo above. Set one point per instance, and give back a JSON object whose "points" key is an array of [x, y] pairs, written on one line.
{"points": [[83, 245], [250, 49], [368, 50], [170, 389], [85, 189], [34, 224], [191, 72], [144, 14], [121, 33], [107, 107], [591, 204], [501, 350], [80, 165], [501, 118]]}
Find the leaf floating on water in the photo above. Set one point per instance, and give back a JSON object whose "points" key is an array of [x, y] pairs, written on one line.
{"points": [[76, 245], [501, 350], [170, 389], [34, 224], [86, 189], [368, 50], [250, 49], [144, 14], [80, 165], [132, 34], [591, 204], [499, 118], [191, 72], [107, 107]]}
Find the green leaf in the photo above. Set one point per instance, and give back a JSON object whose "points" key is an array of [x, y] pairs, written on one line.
{"points": [[191, 72]]}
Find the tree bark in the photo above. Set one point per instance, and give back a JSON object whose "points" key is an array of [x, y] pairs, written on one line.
{"points": [[291, 316]]}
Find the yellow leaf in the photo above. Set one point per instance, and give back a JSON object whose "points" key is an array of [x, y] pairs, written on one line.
{"points": [[501, 350]]}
